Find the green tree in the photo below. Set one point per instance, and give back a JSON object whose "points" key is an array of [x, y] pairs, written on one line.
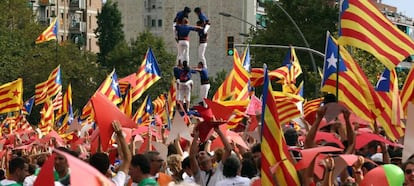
{"points": [[314, 18], [109, 31], [18, 32]]}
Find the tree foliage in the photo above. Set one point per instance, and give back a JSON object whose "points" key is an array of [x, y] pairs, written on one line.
{"points": [[17, 34], [109, 31]]}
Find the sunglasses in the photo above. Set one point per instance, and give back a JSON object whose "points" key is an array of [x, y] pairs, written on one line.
{"points": [[409, 171]]}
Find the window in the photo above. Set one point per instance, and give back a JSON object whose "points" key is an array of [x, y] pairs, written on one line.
{"points": [[89, 43], [90, 22], [159, 22], [153, 23], [61, 38]]}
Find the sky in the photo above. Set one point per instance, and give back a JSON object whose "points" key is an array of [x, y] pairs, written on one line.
{"points": [[404, 6]]}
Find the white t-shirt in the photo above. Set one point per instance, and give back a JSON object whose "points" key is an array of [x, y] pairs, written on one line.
{"points": [[235, 181], [120, 178], [187, 178], [201, 177], [6, 182]]}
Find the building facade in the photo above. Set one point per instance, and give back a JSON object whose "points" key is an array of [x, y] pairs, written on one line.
{"points": [[76, 20], [157, 16]]}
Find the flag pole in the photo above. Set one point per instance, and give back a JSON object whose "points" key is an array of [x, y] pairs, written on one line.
{"points": [[167, 110], [57, 35], [338, 53]]}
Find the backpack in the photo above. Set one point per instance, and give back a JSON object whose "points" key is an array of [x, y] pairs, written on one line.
{"points": [[184, 76]]}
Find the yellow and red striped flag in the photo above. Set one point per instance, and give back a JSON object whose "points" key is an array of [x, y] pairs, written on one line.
{"points": [[126, 106], [273, 146], [140, 115], [311, 106], [110, 88], [50, 87], [256, 78], [390, 118], [11, 96], [172, 98], [287, 106], [47, 118], [50, 33], [148, 73], [66, 102], [235, 81], [407, 92], [364, 26], [87, 111], [57, 101]]}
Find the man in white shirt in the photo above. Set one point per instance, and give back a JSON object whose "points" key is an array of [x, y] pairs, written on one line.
{"points": [[202, 164], [18, 170]]}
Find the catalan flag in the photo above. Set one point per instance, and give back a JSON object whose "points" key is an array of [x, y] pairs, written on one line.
{"points": [[148, 73], [87, 112], [66, 103], [351, 94], [126, 106], [235, 81], [47, 117], [172, 98], [11, 96], [256, 78], [286, 105], [274, 148], [294, 71], [50, 87], [246, 59], [110, 88], [50, 33], [407, 90], [364, 26], [28, 105], [311, 106], [292, 59], [140, 115], [57, 101], [149, 109], [390, 118]]}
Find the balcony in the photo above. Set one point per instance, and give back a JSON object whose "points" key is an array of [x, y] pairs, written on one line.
{"points": [[77, 27], [77, 4]]}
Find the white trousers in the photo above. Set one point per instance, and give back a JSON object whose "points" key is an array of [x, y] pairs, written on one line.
{"points": [[201, 51], [183, 51], [184, 91], [204, 91]]}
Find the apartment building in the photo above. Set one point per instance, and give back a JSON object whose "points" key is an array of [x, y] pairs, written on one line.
{"points": [[77, 20]]}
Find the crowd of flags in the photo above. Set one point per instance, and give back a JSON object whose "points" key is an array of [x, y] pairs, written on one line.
{"points": [[361, 25]]}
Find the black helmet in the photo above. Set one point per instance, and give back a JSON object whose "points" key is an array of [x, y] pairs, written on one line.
{"points": [[187, 9], [197, 10]]}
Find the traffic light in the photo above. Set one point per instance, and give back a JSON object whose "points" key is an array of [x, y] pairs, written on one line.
{"points": [[230, 45]]}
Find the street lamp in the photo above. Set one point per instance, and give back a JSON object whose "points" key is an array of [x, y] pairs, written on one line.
{"points": [[301, 35]]}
